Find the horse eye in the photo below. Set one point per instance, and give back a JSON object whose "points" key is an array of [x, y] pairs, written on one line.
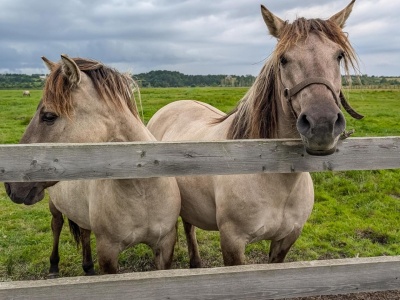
{"points": [[283, 60], [340, 56], [49, 118]]}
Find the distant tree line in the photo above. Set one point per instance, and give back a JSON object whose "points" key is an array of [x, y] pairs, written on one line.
{"points": [[177, 79], [21, 81], [370, 80]]}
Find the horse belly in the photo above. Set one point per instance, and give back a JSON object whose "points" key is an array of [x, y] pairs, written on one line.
{"points": [[198, 203], [162, 204]]}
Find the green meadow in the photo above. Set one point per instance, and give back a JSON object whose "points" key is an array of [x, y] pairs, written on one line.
{"points": [[356, 213]]}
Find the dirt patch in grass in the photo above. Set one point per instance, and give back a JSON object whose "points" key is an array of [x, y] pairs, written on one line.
{"points": [[373, 236]]}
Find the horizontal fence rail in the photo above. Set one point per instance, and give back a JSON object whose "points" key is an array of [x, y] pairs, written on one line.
{"points": [[272, 281], [54, 162]]}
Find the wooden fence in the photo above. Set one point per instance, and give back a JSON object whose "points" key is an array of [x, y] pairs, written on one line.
{"points": [[39, 162]]}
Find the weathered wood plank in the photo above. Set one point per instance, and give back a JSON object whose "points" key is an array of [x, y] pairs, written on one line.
{"points": [[273, 281], [37, 162]]}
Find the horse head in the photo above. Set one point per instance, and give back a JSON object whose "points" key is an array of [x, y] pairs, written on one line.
{"points": [[83, 101], [308, 60]]}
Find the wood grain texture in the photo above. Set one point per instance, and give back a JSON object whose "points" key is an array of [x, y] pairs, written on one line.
{"points": [[53, 162], [274, 281]]}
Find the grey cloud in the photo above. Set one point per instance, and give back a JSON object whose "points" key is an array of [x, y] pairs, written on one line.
{"points": [[193, 36]]}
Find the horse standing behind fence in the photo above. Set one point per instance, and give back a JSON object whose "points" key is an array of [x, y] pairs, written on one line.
{"points": [[85, 101], [297, 94], [26, 93]]}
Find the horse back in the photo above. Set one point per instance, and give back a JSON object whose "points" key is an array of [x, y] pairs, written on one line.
{"points": [[187, 120]]}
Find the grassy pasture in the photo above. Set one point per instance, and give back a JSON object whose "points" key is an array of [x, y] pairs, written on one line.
{"points": [[356, 213]]}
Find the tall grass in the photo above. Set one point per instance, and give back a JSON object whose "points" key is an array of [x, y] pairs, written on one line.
{"points": [[356, 213]]}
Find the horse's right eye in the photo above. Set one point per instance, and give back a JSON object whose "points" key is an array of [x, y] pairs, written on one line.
{"points": [[49, 118], [283, 60]]}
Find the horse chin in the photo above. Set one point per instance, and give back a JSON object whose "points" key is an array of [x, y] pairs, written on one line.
{"points": [[319, 152], [34, 196], [318, 147]]}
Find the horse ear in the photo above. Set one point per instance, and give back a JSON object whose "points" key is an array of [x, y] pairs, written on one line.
{"points": [[70, 69], [341, 17], [49, 64], [274, 23]]}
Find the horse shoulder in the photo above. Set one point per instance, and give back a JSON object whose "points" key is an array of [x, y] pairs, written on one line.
{"points": [[70, 198], [278, 203]]}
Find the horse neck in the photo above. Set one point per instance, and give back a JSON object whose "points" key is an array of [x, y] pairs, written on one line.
{"points": [[245, 116], [130, 129], [222, 128], [133, 130]]}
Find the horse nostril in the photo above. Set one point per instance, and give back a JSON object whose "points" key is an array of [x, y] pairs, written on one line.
{"points": [[303, 125], [340, 124]]}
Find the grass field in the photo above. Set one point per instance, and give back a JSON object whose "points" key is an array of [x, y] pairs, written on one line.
{"points": [[356, 213]]}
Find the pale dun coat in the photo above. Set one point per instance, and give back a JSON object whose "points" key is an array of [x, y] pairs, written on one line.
{"points": [[87, 102], [249, 208]]}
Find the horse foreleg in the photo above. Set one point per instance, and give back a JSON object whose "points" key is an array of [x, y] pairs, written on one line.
{"points": [[107, 254], [163, 253], [232, 247], [280, 248], [57, 222], [87, 261], [193, 249]]}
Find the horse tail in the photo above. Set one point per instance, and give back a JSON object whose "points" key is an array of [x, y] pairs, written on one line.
{"points": [[75, 232]]}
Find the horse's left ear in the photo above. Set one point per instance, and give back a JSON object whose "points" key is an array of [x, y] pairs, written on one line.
{"points": [[49, 64], [70, 69], [341, 17], [274, 23]]}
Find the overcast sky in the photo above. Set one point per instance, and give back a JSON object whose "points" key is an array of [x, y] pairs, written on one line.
{"points": [[189, 36]]}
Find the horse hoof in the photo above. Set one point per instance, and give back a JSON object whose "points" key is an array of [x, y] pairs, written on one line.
{"points": [[90, 273], [196, 265], [52, 276]]}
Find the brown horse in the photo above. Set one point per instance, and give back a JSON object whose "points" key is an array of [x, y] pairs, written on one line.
{"points": [[85, 101], [297, 94]]}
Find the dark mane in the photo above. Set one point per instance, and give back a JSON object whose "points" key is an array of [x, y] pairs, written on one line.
{"points": [[113, 87], [256, 114]]}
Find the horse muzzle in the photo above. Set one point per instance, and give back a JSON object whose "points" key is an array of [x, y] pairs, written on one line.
{"points": [[320, 135], [27, 193]]}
